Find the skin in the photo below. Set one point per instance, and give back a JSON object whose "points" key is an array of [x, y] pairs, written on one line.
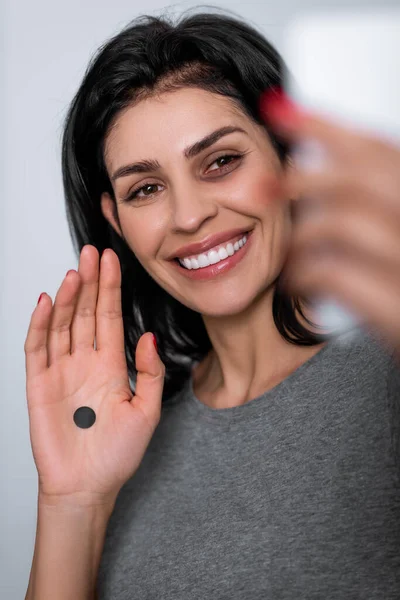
{"points": [[249, 355]]}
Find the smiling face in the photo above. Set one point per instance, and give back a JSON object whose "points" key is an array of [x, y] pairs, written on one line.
{"points": [[233, 186]]}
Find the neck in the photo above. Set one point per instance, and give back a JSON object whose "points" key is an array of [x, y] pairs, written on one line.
{"points": [[248, 356]]}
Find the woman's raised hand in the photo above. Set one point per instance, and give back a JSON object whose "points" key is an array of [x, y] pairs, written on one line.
{"points": [[64, 371]]}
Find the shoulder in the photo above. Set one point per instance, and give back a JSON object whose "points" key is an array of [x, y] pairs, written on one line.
{"points": [[363, 347], [354, 371]]}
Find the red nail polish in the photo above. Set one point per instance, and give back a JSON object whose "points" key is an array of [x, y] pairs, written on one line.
{"points": [[277, 107], [155, 342], [40, 297]]}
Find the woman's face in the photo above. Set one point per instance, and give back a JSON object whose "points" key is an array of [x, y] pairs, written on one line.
{"points": [[183, 198]]}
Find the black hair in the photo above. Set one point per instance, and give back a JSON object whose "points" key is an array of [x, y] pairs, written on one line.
{"points": [[218, 53]]}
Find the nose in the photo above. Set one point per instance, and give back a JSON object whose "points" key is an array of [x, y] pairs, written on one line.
{"points": [[190, 208]]}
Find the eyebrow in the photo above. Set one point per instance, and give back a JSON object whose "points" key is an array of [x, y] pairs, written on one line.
{"points": [[148, 166]]}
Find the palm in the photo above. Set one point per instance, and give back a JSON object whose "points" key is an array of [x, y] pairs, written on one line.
{"points": [[98, 460]]}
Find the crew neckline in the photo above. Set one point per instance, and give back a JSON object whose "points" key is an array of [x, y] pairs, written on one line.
{"points": [[191, 403]]}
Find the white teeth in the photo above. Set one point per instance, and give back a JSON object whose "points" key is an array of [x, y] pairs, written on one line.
{"points": [[203, 260], [213, 257], [223, 253]]}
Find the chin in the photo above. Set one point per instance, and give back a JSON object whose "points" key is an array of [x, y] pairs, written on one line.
{"points": [[224, 306]]}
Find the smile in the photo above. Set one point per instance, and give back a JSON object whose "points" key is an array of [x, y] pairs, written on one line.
{"points": [[217, 261], [215, 255]]}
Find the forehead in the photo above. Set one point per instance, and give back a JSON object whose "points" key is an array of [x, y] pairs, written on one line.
{"points": [[184, 101], [179, 117]]}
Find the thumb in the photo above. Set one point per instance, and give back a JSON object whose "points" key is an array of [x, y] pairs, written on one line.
{"points": [[150, 378]]}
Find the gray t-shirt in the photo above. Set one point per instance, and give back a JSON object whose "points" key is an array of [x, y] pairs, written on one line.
{"points": [[294, 495]]}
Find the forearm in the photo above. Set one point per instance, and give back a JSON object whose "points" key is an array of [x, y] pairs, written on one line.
{"points": [[68, 547]]}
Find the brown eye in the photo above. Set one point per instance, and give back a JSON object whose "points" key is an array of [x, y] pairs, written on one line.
{"points": [[226, 159], [135, 193], [150, 185]]}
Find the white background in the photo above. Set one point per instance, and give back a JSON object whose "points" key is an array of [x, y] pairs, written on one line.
{"points": [[46, 45]]}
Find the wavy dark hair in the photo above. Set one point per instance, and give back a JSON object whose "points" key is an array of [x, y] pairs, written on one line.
{"points": [[218, 53]]}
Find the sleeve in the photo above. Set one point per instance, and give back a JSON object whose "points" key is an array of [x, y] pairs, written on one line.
{"points": [[393, 395]]}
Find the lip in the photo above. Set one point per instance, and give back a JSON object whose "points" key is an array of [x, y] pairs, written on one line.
{"points": [[217, 269], [207, 243]]}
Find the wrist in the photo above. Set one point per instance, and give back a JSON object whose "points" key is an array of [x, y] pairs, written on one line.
{"points": [[77, 501]]}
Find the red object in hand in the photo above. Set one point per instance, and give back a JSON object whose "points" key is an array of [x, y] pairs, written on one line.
{"points": [[275, 106]]}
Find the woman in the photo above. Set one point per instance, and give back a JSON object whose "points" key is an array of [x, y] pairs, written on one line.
{"points": [[257, 458]]}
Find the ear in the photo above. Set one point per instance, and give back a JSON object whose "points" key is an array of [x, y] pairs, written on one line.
{"points": [[109, 210]]}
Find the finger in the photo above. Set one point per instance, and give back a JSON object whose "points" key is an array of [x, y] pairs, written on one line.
{"points": [[83, 329], [295, 124], [376, 189], [109, 324], [150, 378], [368, 237], [344, 139], [368, 291], [35, 347], [59, 334]]}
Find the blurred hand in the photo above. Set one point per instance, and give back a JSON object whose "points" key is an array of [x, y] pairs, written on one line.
{"points": [[348, 245]]}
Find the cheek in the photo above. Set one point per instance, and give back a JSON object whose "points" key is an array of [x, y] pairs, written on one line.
{"points": [[272, 206], [268, 189], [257, 193], [143, 238]]}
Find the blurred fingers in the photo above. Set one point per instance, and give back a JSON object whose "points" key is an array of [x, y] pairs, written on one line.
{"points": [[369, 291], [368, 236]]}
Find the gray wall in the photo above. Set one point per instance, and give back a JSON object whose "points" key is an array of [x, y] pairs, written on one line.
{"points": [[47, 45]]}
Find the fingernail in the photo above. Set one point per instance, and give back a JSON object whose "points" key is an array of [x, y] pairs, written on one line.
{"points": [[277, 107], [155, 342], [40, 297]]}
